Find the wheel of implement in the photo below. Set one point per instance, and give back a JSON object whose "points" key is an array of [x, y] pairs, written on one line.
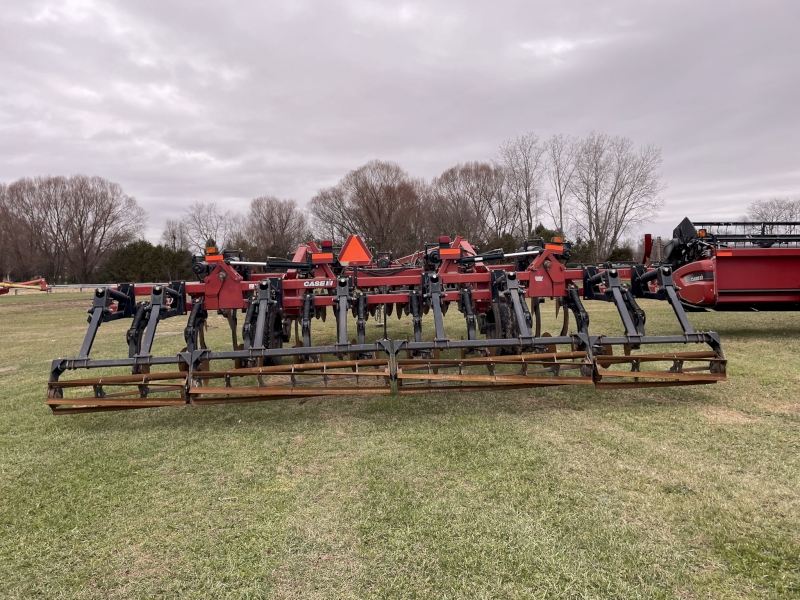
{"points": [[537, 315], [501, 325], [508, 324], [565, 322], [273, 337]]}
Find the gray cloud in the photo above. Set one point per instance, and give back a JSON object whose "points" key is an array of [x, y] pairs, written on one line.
{"points": [[185, 101]]}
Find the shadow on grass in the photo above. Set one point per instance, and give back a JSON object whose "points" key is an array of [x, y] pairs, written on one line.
{"points": [[764, 333]]}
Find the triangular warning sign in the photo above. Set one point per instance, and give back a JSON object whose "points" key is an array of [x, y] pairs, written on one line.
{"points": [[355, 253]]}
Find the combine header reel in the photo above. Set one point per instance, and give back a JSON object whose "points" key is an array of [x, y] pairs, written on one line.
{"points": [[501, 345]]}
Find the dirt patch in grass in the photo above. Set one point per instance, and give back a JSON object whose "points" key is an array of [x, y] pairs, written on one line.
{"points": [[788, 407], [728, 416], [140, 565], [9, 369]]}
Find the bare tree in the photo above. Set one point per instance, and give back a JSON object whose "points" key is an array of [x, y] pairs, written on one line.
{"points": [[34, 227], [5, 235], [523, 159], [455, 206], [561, 154], [378, 200], [275, 227], [419, 219], [774, 209], [331, 208], [63, 227], [470, 200], [615, 188], [204, 221], [100, 219], [175, 236], [234, 235]]}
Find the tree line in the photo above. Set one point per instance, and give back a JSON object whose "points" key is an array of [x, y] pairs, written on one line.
{"points": [[64, 228], [593, 190]]}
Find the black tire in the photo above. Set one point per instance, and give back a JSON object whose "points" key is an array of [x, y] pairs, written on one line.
{"points": [[508, 324], [273, 337], [502, 326]]}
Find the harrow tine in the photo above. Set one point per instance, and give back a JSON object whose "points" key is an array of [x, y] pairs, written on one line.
{"points": [[605, 360], [628, 385], [500, 379], [91, 401], [218, 395], [664, 375], [77, 410]]}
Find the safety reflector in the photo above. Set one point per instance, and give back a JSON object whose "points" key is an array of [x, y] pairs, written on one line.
{"points": [[554, 247], [355, 253], [724, 253], [215, 258], [318, 258], [450, 253]]}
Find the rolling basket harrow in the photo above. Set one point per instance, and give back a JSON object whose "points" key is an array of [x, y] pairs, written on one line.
{"points": [[499, 296]]}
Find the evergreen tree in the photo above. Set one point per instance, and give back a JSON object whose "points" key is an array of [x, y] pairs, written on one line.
{"points": [[142, 262]]}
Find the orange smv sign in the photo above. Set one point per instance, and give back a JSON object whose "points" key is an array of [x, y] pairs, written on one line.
{"points": [[355, 253]]}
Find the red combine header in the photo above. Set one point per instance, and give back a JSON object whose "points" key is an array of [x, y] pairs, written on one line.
{"points": [[734, 266], [272, 302]]}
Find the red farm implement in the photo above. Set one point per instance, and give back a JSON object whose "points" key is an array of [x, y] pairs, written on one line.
{"points": [[733, 266], [498, 294], [39, 285]]}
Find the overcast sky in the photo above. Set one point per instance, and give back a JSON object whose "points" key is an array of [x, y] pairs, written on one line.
{"points": [[185, 101]]}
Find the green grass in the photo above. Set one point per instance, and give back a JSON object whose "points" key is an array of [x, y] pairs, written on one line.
{"points": [[560, 493]]}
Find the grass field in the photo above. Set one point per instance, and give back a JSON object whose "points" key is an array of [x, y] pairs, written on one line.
{"points": [[558, 493]]}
